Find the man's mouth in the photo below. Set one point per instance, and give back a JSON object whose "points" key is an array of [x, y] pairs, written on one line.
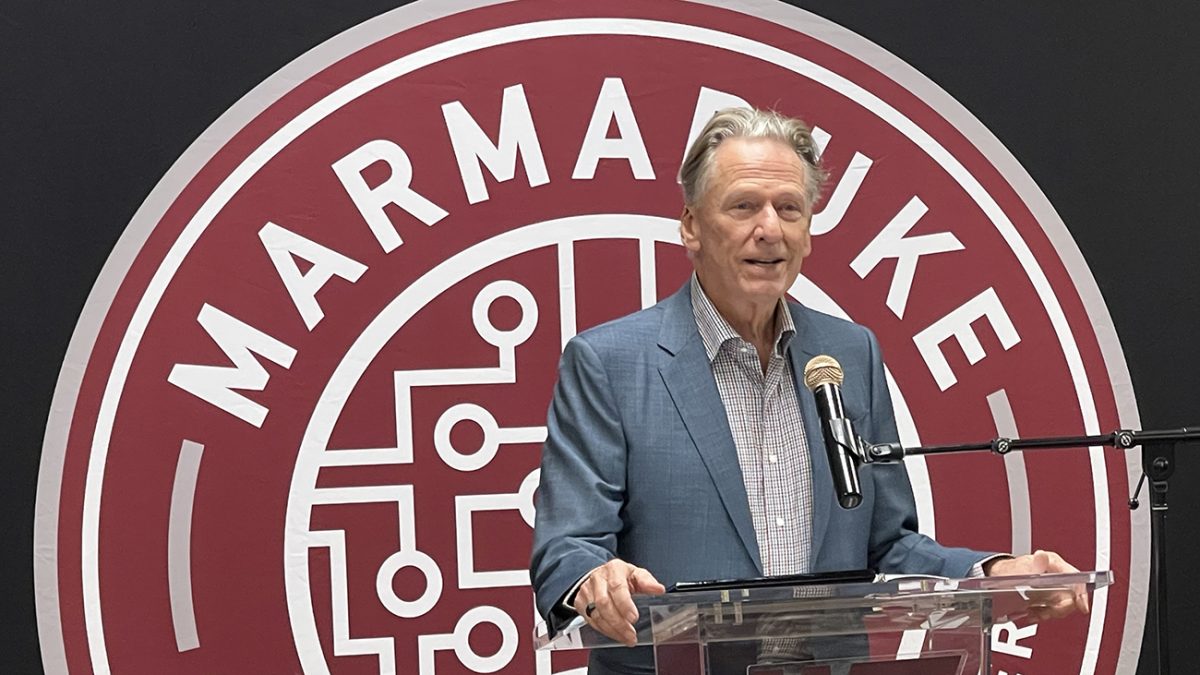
{"points": [[764, 262]]}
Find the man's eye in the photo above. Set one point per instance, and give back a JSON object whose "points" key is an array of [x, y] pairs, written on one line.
{"points": [[791, 211]]}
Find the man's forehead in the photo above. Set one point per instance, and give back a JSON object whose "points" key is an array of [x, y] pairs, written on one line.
{"points": [[749, 158]]}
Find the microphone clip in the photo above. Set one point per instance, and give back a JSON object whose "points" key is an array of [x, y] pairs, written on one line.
{"points": [[883, 453]]}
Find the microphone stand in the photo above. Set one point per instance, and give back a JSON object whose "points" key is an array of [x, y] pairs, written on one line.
{"points": [[1158, 463]]}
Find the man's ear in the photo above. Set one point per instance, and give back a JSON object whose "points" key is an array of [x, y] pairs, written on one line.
{"points": [[687, 230]]}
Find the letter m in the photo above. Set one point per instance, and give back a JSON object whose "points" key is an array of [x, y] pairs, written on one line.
{"points": [[216, 384], [472, 147]]}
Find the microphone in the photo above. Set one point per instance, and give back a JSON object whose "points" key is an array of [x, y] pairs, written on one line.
{"points": [[823, 376]]}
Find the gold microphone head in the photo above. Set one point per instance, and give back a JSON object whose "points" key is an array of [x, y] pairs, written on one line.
{"points": [[821, 370]]}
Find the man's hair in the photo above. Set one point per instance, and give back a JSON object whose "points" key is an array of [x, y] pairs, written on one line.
{"points": [[749, 123]]}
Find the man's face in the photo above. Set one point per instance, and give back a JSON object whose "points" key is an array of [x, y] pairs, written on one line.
{"points": [[749, 231]]}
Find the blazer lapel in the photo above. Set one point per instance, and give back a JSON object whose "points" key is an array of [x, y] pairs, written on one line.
{"points": [[689, 381], [803, 347]]}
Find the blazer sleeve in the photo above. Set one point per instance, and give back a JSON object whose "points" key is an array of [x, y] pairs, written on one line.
{"points": [[582, 482], [895, 543]]}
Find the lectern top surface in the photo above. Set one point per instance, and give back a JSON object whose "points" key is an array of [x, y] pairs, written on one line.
{"points": [[890, 603]]}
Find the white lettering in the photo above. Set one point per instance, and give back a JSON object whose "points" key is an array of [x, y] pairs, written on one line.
{"points": [[613, 103], [240, 342], [891, 243], [843, 194], [957, 324], [1005, 637], [472, 147], [395, 190], [282, 245], [820, 139]]}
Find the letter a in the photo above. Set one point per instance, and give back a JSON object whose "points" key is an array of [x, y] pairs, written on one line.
{"points": [[282, 245], [612, 103]]}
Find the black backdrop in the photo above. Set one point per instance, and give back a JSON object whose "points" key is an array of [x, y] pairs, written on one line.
{"points": [[1098, 101]]}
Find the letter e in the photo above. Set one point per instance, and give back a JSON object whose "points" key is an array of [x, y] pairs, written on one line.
{"points": [[957, 324]]}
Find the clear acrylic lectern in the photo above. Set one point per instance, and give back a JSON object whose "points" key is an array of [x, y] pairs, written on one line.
{"points": [[899, 626]]}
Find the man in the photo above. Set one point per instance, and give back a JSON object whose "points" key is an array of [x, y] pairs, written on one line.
{"points": [[679, 444]]}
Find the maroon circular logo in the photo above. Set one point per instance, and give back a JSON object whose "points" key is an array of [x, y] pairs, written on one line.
{"points": [[298, 428]]}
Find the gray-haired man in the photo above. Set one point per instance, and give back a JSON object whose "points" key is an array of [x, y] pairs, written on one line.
{"points": [[679, 445]]}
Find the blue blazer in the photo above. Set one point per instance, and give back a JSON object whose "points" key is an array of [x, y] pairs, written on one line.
{"points": [[640, 463]]}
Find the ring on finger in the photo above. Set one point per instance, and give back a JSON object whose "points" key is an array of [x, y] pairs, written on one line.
{"points": [[591, 607]]}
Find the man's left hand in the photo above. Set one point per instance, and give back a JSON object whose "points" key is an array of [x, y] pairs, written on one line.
{"points": [[1056, 604]]}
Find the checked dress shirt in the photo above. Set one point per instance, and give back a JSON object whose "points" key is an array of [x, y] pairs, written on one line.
{"points": [[768, 431]]}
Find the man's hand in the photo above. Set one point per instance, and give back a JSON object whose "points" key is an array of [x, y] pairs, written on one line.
{"points": [[1054, 605], [605, 600]]}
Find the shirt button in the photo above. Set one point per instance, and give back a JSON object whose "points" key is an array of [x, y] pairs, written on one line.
{"points": [[779, 522], [773, 458]]}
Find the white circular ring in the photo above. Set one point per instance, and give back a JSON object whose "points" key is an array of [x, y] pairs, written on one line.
{"points": [[462, 644], [408, 609], [466, 461], [504, 288]]}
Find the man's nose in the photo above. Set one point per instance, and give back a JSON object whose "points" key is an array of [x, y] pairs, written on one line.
{"points": [[769, 226]]}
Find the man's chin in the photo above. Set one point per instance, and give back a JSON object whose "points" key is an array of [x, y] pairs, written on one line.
{"points": [[761, 292]]}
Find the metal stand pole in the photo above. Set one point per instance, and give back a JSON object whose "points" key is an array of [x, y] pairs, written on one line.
{"points": [[1158, 462]]}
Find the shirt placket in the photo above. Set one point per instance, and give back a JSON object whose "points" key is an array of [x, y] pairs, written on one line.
{"points": [[778, 520], [754, 436]]}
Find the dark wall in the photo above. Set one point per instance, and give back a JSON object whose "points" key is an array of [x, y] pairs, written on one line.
{"points": [[1096, 100]]}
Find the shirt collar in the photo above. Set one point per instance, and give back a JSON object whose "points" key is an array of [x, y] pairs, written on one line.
{"points": [[716, 331]]}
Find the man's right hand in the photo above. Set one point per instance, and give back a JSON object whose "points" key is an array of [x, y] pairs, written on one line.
{"points": [[608, 594]]}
